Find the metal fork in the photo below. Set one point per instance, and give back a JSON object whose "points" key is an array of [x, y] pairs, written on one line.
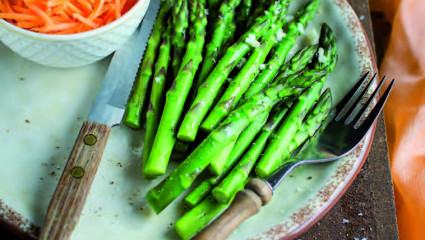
{"points": [[338, 138]]}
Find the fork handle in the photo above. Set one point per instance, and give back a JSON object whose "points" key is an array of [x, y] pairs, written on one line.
{"points": [[247, 202]]}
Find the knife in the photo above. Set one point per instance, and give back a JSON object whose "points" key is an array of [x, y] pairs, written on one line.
{"points": [[107, 111]]}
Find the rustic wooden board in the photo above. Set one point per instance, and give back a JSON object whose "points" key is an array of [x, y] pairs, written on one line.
{"points": [[367, 208]]}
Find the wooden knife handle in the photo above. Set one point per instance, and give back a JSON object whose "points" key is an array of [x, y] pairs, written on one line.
{"points": [[71, 192], [247, 202]]}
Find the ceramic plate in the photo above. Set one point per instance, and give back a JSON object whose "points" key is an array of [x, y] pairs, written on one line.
{"points": [[42, 110]]}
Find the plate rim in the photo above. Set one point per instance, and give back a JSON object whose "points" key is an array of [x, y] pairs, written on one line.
{"points": [[306, 225]]}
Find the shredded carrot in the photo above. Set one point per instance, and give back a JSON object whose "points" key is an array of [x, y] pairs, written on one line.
{"points": [[117, 8], [29, 24], [19, 9], [97, 11], [85, 20], [7, 7], [46, 18], [123, 2], [63, 16], [18, 16]]}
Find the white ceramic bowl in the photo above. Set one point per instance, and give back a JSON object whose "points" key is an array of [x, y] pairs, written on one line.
{"points": [[73, 50]]}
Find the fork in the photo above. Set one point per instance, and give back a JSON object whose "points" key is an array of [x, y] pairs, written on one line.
{"points": [[338, 138]]}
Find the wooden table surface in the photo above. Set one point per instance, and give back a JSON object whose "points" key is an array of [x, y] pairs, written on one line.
{"points": [[366, 211]]}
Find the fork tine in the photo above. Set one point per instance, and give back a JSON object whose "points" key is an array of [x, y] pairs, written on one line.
{"points": [[376, 110], [345, 102], [358, 100], [369, 101]]}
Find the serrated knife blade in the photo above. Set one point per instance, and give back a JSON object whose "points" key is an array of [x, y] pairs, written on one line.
{"points": [[107, 111], [110, 102]]}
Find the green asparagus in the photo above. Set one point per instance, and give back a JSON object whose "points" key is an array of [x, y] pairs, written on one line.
{"points": [[183, 176], [180, 23], [204, 212], [300, 60], [198, 217], [273, 154], [327, 54], [208, 90], [229, 36], [239, 174], [243, 142], [198, 194], [155, 107], [134, 108], [230, 185], [175, 99], [242, 81], [295, 29], [217, 166], [213, 48]]}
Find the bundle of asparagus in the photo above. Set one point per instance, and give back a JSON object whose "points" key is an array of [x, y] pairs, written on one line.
{"points": [[253, 108]]}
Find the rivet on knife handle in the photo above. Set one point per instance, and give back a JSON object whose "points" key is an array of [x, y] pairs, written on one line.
{"points": [[247, 202], [71, 192]]}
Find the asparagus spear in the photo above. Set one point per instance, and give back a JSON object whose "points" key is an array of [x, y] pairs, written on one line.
{"points": [[198, 217], [300, 60], [273, 156], [229, 36], [208, 90], [242, 81], [213, 5], [327, 54], [239, 175], [290, 85], [243, 142], [226, 14], [180, 23], [175, 99], [154, 111], [183, 176], [295, 29], [217, 166], [134, 107], [204, 212], [198, 194]]}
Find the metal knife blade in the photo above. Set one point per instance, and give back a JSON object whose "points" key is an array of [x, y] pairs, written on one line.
{"points": [[110, 102]]}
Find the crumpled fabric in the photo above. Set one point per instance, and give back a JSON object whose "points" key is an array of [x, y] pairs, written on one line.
{"points": [[404, 112]]}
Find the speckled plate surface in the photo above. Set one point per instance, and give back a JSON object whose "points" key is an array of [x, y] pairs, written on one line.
{"points": [[42, 110]]}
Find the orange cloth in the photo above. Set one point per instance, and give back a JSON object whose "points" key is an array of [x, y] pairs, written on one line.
{"points": [[405, 111]]}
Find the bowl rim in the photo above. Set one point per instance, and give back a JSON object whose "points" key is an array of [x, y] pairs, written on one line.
{"points": [[76, 36]]}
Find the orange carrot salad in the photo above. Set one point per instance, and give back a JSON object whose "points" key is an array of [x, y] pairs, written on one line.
{"points": [[63, 16]]}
